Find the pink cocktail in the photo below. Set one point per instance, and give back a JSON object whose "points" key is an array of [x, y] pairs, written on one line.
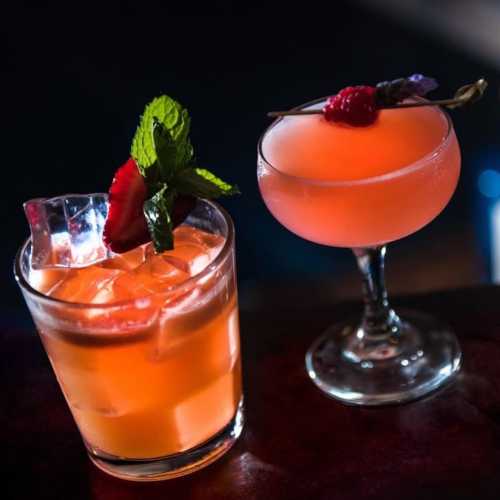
{"points": [[356, 187], [361, 188]]}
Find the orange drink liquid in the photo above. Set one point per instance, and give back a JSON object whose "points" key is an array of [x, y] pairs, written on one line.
{"points": [[145, 346], [354, 187]]}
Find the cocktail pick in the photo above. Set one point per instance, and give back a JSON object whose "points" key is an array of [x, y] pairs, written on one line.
{"points": [[360, 105]]}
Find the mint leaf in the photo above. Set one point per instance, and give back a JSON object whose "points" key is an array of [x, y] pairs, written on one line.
{"points": [[157, 211], [175, 120], [203, 184], [224, 187], [165, 165], [166, 150]]}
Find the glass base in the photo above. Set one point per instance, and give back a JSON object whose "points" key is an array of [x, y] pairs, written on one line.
{"points": [[176, 465], [421, 358]]}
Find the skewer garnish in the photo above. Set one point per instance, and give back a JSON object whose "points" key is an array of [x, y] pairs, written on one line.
{"points": [[360, 105]]}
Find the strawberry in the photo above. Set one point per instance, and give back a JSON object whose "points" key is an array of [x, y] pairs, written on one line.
{"points": [[126, 226]]}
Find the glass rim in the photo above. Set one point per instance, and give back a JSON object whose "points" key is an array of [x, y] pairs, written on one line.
{"points": [[416, 165], [187, 284]]}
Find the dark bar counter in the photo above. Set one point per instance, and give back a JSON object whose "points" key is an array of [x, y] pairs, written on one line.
{"points": [[297, 443]]}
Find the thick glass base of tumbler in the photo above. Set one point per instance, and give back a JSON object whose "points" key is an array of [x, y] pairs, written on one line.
{"points": [[425, 356], [172, 466]]}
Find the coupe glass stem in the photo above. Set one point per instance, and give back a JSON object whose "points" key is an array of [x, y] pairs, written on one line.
{"points": [[379, 322], [382, 359]]}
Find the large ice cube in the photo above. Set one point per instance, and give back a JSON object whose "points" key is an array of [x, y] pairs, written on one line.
{"points": [[209, 242], [45, 280], [216, 400], [194, 249], [159, 272], [66, 231], [93, 285], [127, 261]]}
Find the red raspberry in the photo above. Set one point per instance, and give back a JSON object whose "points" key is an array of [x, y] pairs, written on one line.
{"points": [[353, 105]]}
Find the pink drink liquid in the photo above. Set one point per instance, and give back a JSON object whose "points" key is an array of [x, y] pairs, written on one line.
{"points": [[359, 186]]}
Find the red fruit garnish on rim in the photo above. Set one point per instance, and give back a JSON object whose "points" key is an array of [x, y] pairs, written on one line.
{"points": [[353, 105], [360, 105], [126, 226]]}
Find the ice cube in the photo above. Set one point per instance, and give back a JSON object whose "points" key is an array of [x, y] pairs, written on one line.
{"points": [[44, 280], [92, 285], [212, 243], [175, 261], [193, 249], [170, 337], [216, 400], [159, 272], [130, 285], [126, 261], [195, 256], [66, 231], [85, 388]]}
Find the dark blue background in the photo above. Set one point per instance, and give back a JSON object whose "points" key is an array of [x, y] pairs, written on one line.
{"points": [[74, 82]]}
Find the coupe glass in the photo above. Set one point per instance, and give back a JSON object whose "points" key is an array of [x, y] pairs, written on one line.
{"points": [[153, 383], [384, 357]]}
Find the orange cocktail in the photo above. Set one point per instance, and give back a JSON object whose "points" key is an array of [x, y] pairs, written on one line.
{"points": [[359, 186], [146, 347]]}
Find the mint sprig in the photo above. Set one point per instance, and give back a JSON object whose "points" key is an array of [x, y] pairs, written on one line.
{"points": [[165, 158], [203, 184]]}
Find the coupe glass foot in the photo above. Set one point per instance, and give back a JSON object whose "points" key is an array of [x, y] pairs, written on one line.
{"points": [[348, 366]]}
